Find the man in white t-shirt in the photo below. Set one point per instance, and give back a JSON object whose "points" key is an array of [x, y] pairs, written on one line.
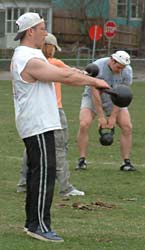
{"points": [[37, 117]]}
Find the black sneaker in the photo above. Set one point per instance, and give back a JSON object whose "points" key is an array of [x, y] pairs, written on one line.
{"points": [[82, 164], [127, 166]]}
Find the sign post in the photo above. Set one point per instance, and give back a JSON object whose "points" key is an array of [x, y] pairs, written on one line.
{"points": [[110, 29], [95, 33]]}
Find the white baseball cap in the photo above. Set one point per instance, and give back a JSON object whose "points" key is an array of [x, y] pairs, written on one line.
{"points": [[26, 21], [121, 57], [51, 39]]}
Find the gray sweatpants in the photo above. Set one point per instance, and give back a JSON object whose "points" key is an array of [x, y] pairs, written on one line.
{"points": [[62, 169]]}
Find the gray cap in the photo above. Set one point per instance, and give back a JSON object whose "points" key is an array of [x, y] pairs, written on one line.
{"points": [[51, 39]]}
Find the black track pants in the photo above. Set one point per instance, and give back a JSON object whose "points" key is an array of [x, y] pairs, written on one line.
{"points": [[40, 180]]}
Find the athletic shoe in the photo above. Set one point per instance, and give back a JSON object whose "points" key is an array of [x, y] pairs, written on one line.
{"points": [[127, 166], [21, 189], [75, 192], [25, 229], [82, 164], [45, 236]]}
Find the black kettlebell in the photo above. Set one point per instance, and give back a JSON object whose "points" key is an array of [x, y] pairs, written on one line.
{"points": [[121, 95], [92, 69], [106, 136]]}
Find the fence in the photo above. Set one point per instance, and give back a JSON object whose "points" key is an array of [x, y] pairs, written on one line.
{"points": [[81, 61]]}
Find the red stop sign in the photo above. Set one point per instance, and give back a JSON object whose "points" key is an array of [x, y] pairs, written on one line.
{"points": [[95, 32], [110, 29]]}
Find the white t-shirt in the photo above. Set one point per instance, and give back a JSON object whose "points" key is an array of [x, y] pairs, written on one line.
{"points": [[35, 103]]}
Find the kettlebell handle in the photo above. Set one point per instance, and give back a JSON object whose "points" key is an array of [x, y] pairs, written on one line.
{"points": [[112, 130], [121, 95]]}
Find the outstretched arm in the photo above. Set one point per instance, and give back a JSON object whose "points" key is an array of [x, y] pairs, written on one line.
{"points": [[37, 69]]}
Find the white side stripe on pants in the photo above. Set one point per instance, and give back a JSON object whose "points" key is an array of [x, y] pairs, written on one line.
{"points": [[43, 183]]}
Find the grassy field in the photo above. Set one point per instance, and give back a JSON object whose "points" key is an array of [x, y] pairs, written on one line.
{"points": [[112, 213]]}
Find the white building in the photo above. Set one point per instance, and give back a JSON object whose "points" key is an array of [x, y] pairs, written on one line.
{"points": [[11, 10]]}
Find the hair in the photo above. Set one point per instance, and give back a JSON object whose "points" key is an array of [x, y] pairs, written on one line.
{"points": [[114, 60], [23, 34], [47, 50], [20, 36]]}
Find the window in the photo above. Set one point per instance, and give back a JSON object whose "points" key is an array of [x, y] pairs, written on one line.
{"points": [[122, 8], [130, 8], [12, 15], [136, 9], [2, 20], [42, 12]]}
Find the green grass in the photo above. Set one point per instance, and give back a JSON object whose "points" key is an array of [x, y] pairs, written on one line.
{"points": [[118, 225]]}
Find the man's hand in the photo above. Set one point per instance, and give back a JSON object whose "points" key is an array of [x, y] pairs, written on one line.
{"points": [[102, 122], [111, 122]]}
